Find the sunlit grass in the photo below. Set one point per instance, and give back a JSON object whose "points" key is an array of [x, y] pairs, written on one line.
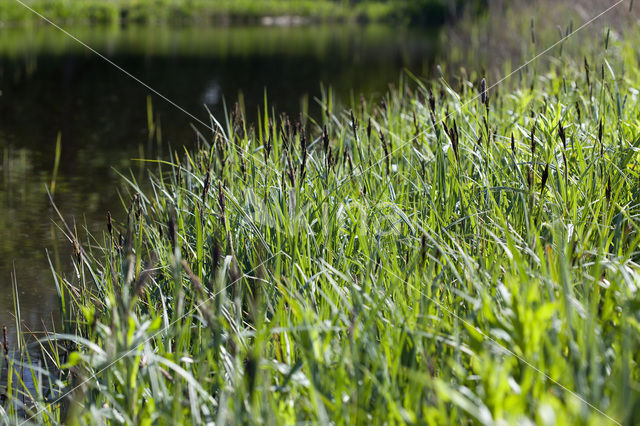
{"points": [[424, 258]]}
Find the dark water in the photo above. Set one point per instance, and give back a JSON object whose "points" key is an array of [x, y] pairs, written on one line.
{"points": [[50, 84]]}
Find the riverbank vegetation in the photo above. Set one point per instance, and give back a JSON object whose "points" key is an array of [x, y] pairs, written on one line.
{"points": [[270, 12], [448, 253]]}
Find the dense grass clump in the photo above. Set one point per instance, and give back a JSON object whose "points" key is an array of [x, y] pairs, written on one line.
{"points": [[443, 255]]}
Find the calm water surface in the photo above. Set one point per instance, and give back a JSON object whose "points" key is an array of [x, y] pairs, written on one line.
{"points": [[50, 84]]}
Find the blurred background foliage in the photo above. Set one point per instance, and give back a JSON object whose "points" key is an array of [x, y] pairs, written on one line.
{"points": [[425, 12]]}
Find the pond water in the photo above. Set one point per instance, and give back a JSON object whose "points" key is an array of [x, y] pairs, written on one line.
{"points": [[50, 84]]}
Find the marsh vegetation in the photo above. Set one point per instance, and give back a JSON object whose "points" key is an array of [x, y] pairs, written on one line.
{"points": [[446, 251]]}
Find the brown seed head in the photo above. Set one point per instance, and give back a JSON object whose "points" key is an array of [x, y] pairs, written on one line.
{"points": [[354, 126], [221, 201], [484, 93], [109, 225], [545, 176], [562, 135], [533, 142], [432, 102]]}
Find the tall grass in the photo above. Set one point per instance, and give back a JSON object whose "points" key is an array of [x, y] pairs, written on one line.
{"points": [[442, 255]]}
